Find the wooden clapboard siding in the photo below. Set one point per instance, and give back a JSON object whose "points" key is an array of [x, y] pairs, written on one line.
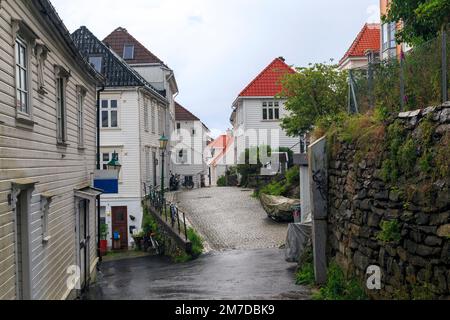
{"points": [[250, 118], [34, 154], [195, 147]]}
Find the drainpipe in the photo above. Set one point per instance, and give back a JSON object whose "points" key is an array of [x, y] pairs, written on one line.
{"points": [[99, 91]]}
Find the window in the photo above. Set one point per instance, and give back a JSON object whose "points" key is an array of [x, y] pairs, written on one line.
{"points": [[97, 63], [160, 121], [128, 52], [80, 118], [389, 31], [152, 111], [61, 125], [182, 156], [146, 119], [110, 114], [178, 127], [147, 164], [22, 75], [271, 110]]}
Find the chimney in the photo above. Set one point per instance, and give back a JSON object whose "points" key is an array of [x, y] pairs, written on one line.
{"points": [[282, 59]]}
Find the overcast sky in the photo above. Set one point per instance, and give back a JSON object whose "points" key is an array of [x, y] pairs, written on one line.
{"points": [[216, 47]]}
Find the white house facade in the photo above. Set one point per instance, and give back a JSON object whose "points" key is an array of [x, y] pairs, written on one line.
{"points": [[257, 112], [189, 141], [157, 74], [132, 114], [48, 220]]}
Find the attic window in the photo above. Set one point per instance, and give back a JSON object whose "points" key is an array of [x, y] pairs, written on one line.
{"points": [[128, 52], [96, 63]]}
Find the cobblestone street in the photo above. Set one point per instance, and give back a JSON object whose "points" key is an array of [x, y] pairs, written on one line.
{"points": [[229, 218], [244, 261]]}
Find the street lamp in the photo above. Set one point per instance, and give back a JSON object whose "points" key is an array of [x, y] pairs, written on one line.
{"points": [[163, 142], [114, 164]]}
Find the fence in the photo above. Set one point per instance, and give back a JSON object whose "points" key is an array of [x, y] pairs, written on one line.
{"points": [[417, 78], [168, 213]]}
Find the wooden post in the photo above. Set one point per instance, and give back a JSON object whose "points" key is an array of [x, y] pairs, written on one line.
{"points": [[319, 206]]}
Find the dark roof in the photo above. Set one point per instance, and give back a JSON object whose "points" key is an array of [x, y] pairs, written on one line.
{"points": [[116, 71], [48, 12], [183, 114], [120, 37]]}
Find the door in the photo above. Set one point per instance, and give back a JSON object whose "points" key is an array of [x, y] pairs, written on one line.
{"points": [[155, 161], [83, 236], [23, 248], [120, 226]]}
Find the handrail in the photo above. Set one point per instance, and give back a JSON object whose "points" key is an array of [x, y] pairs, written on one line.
{"points": [[168, 211]]}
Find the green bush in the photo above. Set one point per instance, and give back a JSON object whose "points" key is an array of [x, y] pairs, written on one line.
{"points": [[222, 181], [305, 275], [197, 242], [275, 189], [250, 163], [338, 287], [283, 187]]}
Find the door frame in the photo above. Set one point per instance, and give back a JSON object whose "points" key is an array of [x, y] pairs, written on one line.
{"points": [[22, 192], [127, 225]]}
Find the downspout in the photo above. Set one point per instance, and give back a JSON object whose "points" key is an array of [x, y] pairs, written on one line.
{"points": [[99, 91]]}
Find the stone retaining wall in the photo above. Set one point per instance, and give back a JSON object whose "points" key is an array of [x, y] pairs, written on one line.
{"points": [[415, 263]]}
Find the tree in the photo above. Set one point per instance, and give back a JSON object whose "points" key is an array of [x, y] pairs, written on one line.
{"points": [[422, 19], [317, 91]]}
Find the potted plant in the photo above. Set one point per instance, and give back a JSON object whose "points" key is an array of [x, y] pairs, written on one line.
{"points": [[103, 239]]}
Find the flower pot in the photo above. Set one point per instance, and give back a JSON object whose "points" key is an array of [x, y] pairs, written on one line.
{"points": [[103, 247]]}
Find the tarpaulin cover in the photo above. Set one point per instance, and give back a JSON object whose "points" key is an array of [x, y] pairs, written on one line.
{"points": [[279, 208], [299, 236]]}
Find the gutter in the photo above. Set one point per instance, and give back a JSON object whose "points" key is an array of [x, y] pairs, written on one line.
{"points": [[99, 91]]}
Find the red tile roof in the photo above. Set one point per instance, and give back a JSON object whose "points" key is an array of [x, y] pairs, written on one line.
{"points": [[223, 142], [120, 37], [183, 114], [369, 38], [268, 82]]}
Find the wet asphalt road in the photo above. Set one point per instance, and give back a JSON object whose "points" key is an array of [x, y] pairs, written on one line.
{"points": [[232, 275], [244, 264]]}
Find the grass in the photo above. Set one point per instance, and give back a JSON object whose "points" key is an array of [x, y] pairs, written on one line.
{"points": [[338, 287]]}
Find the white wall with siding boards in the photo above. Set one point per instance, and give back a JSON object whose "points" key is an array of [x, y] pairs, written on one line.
{"points": [[33, 153]]}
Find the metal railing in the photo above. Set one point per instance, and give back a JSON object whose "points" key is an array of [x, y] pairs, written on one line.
{"points": [[417, 78], [168, 212]]}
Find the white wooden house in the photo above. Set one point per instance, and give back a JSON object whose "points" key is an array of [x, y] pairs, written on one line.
{"points": [[220, 157], [132, 121], [258, 112], [155, 72], [190, 140], [48, 220]]}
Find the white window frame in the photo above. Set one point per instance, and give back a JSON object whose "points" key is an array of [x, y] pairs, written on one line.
{"points": [[24, 35], [109, 109], [146, 116], [133, 51], [22, 69], [153, 116], [61, 82], [81, 98], [271, 110], [110, 152]]}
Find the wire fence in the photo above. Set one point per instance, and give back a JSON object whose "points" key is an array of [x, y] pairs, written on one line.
{"points": [[414, 79]]}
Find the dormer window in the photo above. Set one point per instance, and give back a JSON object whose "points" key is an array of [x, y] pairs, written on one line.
{"points": [[96, 62], [128, 52]]}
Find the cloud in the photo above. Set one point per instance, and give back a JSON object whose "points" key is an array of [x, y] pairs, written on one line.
{"points": [[216, 47]]}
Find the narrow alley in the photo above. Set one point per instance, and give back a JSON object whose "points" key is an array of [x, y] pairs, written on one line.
{"points": [[245, 261]]}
